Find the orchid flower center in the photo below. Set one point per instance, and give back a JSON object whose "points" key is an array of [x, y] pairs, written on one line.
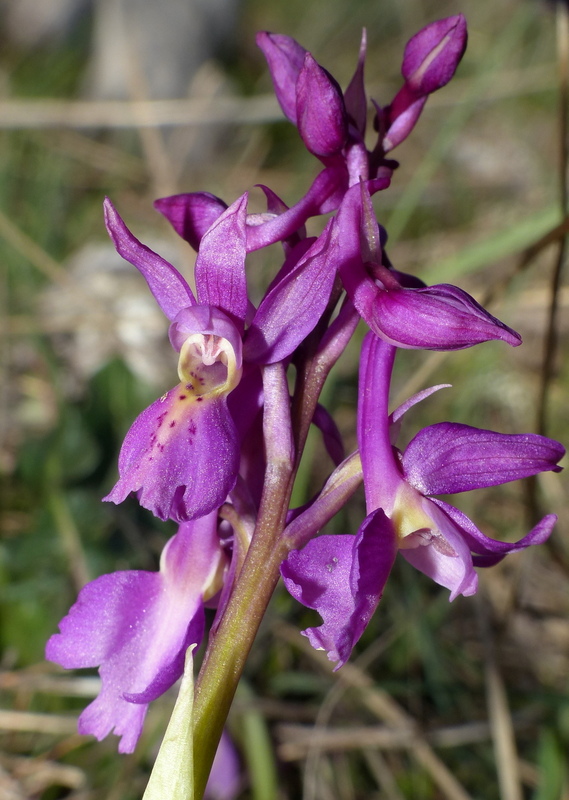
{"points": [[208, 365], [412, 525]]}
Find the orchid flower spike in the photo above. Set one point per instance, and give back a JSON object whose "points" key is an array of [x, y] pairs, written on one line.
{"points": [[343, 577]]}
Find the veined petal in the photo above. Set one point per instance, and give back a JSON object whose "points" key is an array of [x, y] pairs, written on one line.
{"points": [[220, 265], [447, 458], [136, 626], [490, 551], [169, 288], [292, 307], [191, 214], [320, 110], [342, 577], [285, 58], [181, 455], [441, 317]]}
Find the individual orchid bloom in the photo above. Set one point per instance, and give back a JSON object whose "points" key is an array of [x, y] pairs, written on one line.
{"points": [[331, 123], [181, 455], [400, 310], [343, 577], [136, 627]]}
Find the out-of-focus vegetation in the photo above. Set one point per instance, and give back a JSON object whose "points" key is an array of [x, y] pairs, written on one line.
{"points": [[440, 701]]}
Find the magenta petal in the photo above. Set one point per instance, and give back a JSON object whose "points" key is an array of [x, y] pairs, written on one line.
{"points": [[441, 317], [165, 282], [292, 307], [447, 458], [432, 55], [191, 214], [220, 265], [285, 58], [342, 577], [490, 549], [402, 118], [137, 626], [320, 110], [181, 455], [355, 96]]}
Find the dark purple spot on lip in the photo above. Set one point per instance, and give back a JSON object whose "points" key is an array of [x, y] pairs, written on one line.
{"points": [[199, 399], [172, 423], [182, 397]]}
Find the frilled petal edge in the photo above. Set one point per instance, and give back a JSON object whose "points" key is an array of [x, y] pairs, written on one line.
{"points": [[181, 456], [342, 577]]}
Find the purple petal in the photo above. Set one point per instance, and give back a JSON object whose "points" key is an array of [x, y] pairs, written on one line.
{"points": [[441, 317], [432, 55], [442, 553], [320, 110], [414, 399], [191, 214], [285, 58], [220, 265], [181, 455], [165, 282], [447, 458], [292, 307], [402, 117], [137, 626], [355, 96], [382, 477], [490, 550], [324, 195], [342, 577], [331, 435]]}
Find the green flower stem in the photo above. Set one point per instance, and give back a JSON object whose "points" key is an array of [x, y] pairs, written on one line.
{"points": [[230, 645]]}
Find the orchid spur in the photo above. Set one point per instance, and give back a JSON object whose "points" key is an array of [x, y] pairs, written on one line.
{"points": [[343, 577]]}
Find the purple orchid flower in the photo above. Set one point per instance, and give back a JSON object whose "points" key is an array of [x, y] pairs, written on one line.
{"points": [[398, 308], [181, 455], [136, 627], [343, 577]]}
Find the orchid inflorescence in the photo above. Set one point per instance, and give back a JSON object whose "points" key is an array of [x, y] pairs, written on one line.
{"points": [[218, 453]]}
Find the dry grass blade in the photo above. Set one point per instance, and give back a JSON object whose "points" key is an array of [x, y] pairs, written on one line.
{"points": [[500, 718], [23, 114], [37, 723], [389, 711]]}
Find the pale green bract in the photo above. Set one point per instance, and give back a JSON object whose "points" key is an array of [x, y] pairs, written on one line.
{"points": [[173, 772]]}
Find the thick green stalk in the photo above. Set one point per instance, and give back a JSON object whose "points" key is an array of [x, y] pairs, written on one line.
{"points": [[231, 643]]}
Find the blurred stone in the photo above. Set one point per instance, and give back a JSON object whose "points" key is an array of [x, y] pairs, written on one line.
{"points": [[108, 312]]}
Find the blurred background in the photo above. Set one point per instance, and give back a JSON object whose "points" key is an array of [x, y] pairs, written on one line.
{"points": [[137, 99]]}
